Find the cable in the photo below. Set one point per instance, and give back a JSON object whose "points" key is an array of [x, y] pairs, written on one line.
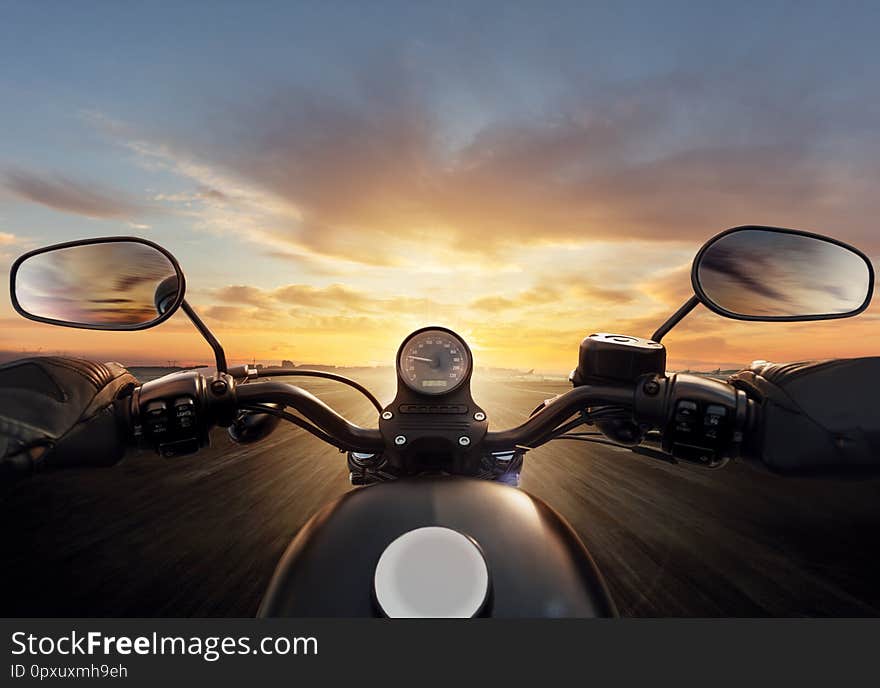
{"points": [[327, 376], [299, 422], [594, 440], [583, 418], [640, 450]]}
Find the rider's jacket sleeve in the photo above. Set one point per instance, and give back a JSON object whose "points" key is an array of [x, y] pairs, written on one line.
{"points": [[58, 411], [815, 417]]}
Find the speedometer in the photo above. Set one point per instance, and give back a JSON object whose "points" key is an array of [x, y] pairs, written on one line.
{"points": [[434, 361]]}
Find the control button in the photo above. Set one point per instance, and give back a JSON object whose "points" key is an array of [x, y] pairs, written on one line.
{"points": [[685, 410], [156, 408], [185, 413], [219, 387], [715, 415]]}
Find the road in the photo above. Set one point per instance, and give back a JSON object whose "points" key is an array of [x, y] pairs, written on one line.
{"points": [[200, 536]]}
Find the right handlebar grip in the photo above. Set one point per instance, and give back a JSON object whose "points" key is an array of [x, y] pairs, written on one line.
{"points": [[814, 418]]}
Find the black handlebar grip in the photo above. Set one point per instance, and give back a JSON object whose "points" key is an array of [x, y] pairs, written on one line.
{"points": [[814, 417], [100, 440]]}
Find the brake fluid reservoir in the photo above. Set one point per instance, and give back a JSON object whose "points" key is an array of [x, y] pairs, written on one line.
{"points": [[616, 357]]}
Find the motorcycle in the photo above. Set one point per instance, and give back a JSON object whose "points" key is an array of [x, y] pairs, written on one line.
{"points": [[437, 526]]}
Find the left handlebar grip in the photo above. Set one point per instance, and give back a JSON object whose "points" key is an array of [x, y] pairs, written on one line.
{"points": [[101, 440]]}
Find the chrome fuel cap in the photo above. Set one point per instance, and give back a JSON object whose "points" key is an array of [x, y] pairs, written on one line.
{"points": [[431, 572]]}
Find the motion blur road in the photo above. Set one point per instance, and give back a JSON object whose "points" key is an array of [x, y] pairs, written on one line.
{"points": [[200, 536]]}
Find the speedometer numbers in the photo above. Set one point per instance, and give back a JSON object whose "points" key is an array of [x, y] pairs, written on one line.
{"points": [[434, 362]]}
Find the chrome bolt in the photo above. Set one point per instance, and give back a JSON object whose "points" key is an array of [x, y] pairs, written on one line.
{"points": [[464, 441], [400, 439], [479, 415], [387, 415]]}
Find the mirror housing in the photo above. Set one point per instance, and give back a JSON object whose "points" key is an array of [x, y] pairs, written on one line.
{"points": [[124, 300], [775, 274], [856, 267]]}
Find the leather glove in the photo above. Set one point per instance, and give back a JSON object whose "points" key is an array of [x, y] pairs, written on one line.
{"points": [[59, 412], [815, 417]]}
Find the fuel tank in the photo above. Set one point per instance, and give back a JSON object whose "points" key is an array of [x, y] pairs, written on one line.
{"points": [[536, 564]]}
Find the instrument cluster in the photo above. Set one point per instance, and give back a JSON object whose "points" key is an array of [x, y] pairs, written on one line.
{"points": [[434, 361]]}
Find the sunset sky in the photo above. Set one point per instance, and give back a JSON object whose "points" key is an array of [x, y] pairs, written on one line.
{"points": [[332, 175]]}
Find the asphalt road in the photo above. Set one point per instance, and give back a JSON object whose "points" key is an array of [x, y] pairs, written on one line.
{"points": [[200, 536]]}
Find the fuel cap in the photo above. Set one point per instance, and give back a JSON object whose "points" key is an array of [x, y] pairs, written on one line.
{"points": [[431, 572]]}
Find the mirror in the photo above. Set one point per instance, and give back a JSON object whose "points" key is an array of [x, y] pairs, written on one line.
{"points": [[104, 284], [768, 273]]}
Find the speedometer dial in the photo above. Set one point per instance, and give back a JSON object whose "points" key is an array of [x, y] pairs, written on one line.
{"points": [[434, 362]]}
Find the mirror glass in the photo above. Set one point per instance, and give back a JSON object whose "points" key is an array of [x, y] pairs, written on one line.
{"points": [[111, 285], [772, 274]]}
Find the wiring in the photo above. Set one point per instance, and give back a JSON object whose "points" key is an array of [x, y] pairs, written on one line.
{"points": [[583, 418], [296, 420], [325, 375]]}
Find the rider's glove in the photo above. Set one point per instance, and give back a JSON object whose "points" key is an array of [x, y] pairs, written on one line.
{"points": [[59, 412], [814, 417]]}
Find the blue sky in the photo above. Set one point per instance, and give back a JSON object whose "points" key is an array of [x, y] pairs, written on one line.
{"points": [[374, 145]]}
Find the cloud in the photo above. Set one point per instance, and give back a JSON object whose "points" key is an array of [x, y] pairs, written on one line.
{"points": [[335, 296], [63, 194], [371, 177], [226, 313], [538, 295], [564, 290], [6, 239], [240, 294]]}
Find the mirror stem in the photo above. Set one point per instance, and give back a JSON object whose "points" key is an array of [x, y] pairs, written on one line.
{"points": [[675, 318], [219, 354]]}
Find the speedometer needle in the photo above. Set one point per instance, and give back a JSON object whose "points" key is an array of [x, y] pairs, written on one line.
{"points": [[420, 358]]}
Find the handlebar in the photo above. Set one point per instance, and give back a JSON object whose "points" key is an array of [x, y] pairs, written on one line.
{"points": [[348, 435], [559, 409], [699, 419]]}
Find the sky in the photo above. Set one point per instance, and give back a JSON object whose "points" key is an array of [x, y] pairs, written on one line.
{"points": [[332, 176]]}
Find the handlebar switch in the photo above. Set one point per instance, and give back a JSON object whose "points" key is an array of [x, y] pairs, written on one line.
{"points": [[185, 413], [169, 414], [704, 420], [156, 418]]}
